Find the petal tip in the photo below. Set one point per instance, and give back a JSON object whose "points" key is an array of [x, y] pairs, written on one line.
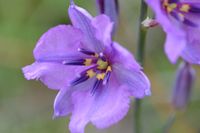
{"points": [[30, 74], [147, 92]]}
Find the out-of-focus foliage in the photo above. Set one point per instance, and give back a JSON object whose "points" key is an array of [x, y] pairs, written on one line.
{"points": [[26, 106]]}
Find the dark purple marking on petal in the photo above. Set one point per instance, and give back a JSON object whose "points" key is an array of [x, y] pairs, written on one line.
{"points": [[194, 9], [96, 86], [79, 80], [75, 62], [190, 23], [85, 51], [173, 1], [106, 78], [183, 19]]}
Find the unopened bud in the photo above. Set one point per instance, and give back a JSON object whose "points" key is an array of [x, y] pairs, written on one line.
{"points": [[149, 22], [111, 9], [183, 86]]}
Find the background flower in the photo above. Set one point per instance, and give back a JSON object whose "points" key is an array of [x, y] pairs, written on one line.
{"points": [[180, 20]]}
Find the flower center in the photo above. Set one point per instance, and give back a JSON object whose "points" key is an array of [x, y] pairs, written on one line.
{"points": [[99, 68], [180, 11]]}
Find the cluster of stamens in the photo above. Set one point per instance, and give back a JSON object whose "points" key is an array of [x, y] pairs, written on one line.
{"points": [[178, 10], [98, 67]]}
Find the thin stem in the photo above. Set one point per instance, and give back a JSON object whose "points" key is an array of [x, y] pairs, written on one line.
{"points": [[169, 122], [140, 57], [141, 33]]}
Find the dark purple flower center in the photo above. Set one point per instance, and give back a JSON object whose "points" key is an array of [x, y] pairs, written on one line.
{"points": [[181, 11], [99, 68]]}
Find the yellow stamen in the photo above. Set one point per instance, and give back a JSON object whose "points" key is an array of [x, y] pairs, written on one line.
{"points": [[109, 69], [171, 7], [96, 55], [102, 64], [185, 8], [88, 62], [100, 76], [91, 73]]}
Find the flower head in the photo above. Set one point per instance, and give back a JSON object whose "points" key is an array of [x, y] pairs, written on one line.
{"points": [[94, 75], [180, 20]]}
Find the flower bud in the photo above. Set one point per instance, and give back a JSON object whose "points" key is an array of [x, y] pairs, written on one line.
{"points": [[111, 9], [149, 22], [182, 89]]}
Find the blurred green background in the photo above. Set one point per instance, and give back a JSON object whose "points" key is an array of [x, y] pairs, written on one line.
{"points": [[26, 106]]}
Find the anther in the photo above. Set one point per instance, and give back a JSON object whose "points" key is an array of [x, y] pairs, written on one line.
{"points": [[96, 86], [106, 78], [101, 55], [79, 80], [74, 62], [87, 52]]}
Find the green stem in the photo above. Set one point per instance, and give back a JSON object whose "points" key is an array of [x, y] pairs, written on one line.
{"points": [[140, 57], [169, 122]]}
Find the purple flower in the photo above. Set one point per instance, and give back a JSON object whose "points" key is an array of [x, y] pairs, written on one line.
{"points": [[180, 20], [94, 75], [183, 85]]}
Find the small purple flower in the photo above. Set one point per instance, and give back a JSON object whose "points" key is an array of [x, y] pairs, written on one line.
{"points": [[183, 86], [94, 75], [180, 20]]}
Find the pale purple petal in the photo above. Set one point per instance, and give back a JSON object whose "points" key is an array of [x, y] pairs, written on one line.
{"points": [[97, 108], [81, 19], [103, 27], [123, 57], [62, 104], [82, 101], [136, 81], [174, 47], [113, 105], [54, 75], [58, 43]]}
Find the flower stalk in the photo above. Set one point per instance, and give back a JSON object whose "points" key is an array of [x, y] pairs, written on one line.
{"points": [[140, 57]]}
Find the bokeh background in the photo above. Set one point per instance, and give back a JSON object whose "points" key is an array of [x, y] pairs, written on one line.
{"points": [[27, 106]]}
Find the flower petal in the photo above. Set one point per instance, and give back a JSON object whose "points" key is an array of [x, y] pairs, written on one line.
{"points": [[58, 43], [191, 52], [62, 104], [54, 75], [174, 47], [124, 57], [81, 19], [104, 28], [113, 105], [109, 105], [136, 81], [82, 101]]}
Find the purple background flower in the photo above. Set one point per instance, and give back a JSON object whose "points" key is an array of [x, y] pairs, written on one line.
{"points": [[180, 20]]}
